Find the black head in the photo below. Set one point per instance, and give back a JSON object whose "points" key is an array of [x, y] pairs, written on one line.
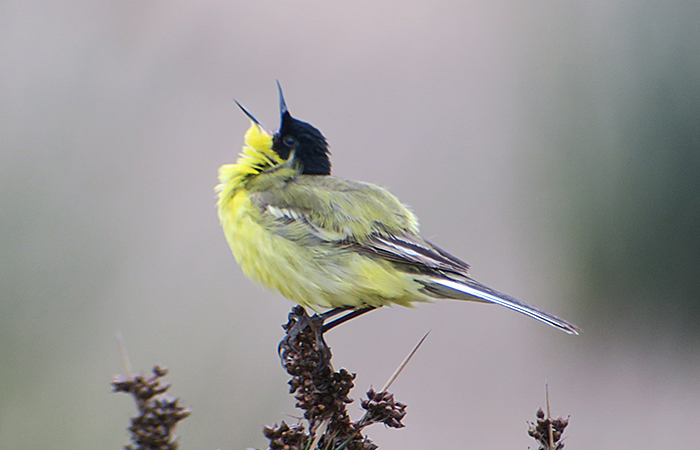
{"points": [[303, 141]]}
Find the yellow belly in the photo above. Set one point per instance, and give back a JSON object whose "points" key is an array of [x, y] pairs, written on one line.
{"points": [[317, 276]]}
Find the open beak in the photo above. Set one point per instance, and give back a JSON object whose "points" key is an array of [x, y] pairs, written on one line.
{"points": [[250, 116]]}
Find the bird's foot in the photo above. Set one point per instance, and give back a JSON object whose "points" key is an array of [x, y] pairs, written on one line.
{"points": [[304, 340]]}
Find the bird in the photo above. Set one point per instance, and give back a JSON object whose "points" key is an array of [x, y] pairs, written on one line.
{"points": [[332, 244]]}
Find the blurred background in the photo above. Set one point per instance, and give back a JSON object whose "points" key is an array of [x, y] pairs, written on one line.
{"points": [[554, 145]]}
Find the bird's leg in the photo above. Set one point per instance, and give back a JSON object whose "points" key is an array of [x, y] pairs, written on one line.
{"points": [[346, 317], [320, 327], [330, 313]]}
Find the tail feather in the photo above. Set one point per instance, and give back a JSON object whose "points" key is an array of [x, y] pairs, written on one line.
{"points": [[469, 289]]}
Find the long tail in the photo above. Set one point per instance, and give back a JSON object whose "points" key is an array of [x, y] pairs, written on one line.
{"points": [[468, 289]]}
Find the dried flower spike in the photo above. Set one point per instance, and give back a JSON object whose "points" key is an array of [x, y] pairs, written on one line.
{"points": [[153, 428], [540, 431]]}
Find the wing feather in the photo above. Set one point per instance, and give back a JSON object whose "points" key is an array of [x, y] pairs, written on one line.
{"points": [[333, 209], [355, 215], [413, 250]]}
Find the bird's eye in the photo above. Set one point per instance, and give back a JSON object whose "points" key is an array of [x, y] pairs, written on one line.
{"points": [[289, 141]]}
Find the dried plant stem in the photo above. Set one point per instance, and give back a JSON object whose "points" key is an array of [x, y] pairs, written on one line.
{"points": [[549, 415], [403, 364]]}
